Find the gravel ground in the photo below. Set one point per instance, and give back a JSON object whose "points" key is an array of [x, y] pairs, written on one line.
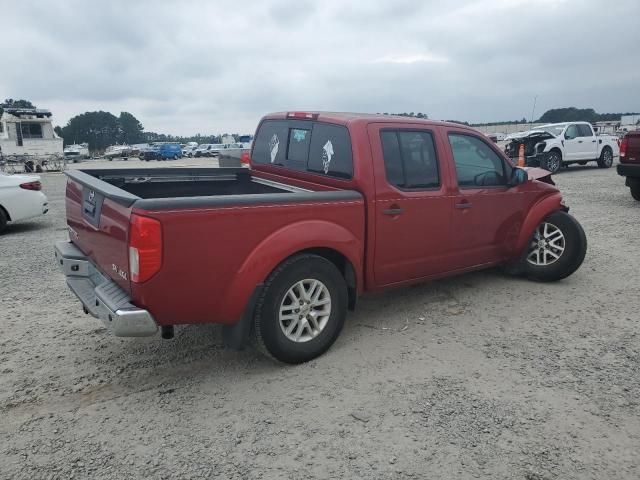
{"points": [[479, 376]]}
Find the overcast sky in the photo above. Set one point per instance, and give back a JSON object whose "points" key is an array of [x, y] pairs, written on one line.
{"points": [[213, 67]]}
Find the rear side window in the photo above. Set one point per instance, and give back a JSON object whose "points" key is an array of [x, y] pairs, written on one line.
{"points": [[315, 147], [410, 159], [585, 130]]}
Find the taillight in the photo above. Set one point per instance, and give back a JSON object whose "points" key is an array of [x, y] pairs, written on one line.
{"points": [[245, 158], [307, 115], [31, 185], [623, 147], [145, 248]]}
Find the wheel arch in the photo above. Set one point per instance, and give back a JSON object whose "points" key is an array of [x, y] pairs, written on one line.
{"points": [[537, 213], [326, 239], [6, 212]]}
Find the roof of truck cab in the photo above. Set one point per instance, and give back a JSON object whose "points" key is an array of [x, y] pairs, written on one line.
{"points": [[350, 118]]}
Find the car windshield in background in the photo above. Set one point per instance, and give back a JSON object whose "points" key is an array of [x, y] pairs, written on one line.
{"points": [[554, 130]]}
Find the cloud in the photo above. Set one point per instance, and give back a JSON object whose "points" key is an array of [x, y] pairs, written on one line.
{"points": [[211, 67], [412, 58]]}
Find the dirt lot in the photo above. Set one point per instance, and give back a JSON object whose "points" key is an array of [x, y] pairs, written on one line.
{"points": [[480, 376]]}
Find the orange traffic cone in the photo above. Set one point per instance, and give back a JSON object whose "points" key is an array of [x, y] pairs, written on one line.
{"points": [[521, 156]]}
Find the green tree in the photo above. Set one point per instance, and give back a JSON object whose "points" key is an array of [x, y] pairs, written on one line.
{"points": [[131, 130], [98, 129]]}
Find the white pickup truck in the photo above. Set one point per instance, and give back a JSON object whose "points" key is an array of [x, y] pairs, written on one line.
{"points": [[560, 144]]}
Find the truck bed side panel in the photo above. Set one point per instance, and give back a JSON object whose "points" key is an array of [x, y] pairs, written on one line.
{"points": [[206, 250]]}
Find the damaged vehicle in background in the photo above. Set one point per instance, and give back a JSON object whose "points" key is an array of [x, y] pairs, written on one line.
{"points": [[561, 144]]}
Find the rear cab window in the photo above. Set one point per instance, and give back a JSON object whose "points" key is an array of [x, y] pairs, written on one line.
{"points": [[305, 145]]}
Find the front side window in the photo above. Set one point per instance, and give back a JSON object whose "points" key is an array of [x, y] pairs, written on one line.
{"points": [[585, 130], [410, 159], [572, 132], [477, 165]]}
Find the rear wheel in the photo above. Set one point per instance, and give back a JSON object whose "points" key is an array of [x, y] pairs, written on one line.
{"points": [[606, 158], [552, 161], [635, 192], [301, 310], [557, 248]]}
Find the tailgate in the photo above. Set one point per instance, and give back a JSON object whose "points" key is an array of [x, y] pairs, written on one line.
{"points": [[98, 222]]}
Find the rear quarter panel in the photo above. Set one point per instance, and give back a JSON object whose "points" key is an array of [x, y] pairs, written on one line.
{"points": [[213, 258]]}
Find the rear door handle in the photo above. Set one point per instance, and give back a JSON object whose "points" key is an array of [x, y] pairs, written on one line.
{"points": [[393, 211], [463, 205]]}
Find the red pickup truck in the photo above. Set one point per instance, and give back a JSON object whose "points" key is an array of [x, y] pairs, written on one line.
{"points": [[335, 205], [629, 165]]}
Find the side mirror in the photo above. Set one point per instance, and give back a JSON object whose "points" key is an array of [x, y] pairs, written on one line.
{"points": [[518, 177]]}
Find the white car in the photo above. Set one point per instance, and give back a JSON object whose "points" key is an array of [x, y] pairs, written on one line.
{"points": [[20, 198]]}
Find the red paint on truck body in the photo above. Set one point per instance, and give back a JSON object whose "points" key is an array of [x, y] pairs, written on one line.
{"points": [[214, 258]]}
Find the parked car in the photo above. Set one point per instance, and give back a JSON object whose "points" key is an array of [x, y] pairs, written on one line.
{"points": [[170, 151], [203, 150], [561, 144], [335, 205], [629, 165], [21, 198], [189, 150], [161, 151]]}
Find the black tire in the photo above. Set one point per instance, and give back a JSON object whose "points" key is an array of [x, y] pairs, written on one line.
{"points": [[571, 258], [552, 161], [269, 335], [635, 192], [3, 220], [606, 158]]}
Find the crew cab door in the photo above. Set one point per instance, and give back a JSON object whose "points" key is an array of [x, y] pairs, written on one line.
{"points": [[486, 212], [573, 143], [412, 204], [587, 142]]}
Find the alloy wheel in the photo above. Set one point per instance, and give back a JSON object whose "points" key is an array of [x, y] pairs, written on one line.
{"points": [[547, 245], [305, 310]]}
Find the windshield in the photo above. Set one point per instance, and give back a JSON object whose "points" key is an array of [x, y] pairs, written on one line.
{"points": [[554, 130]]}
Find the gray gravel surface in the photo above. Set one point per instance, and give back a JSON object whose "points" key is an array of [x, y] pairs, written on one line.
{"points": [[479, 376]]}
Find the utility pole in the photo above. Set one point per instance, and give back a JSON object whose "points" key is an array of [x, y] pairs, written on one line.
{"points": [[533, 110]]}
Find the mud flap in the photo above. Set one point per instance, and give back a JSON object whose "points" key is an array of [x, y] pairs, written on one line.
{"points": [[235, 336]]}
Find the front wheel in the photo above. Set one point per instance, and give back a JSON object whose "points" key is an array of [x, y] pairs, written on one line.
{"points": [[606, 158], [301, 310], [3, 220], [557, 248], [552, 161]]}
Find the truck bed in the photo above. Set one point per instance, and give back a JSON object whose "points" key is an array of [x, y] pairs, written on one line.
{"points": [[148, 183], [211, 218]]}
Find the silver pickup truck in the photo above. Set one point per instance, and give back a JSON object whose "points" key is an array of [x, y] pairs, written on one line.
{"points": [[235, 156]]}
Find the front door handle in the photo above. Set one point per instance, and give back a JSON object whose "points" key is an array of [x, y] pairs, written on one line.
{"points": [[464, 204], [579, 141], [393, 211]]}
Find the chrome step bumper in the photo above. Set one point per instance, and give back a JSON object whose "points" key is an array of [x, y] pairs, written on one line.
{"points": [[102, 297]]}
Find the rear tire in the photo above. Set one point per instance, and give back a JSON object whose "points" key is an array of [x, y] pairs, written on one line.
{"points": [[635, 192], [552, 161], [3, 220], [290, 324], [558, 254], [606, 158]]}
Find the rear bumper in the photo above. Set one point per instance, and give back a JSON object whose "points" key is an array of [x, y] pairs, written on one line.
{"points": [[629, 170], [100, 296]]}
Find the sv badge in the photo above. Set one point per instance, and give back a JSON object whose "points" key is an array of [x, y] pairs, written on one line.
{"points": [[121, 273]]}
